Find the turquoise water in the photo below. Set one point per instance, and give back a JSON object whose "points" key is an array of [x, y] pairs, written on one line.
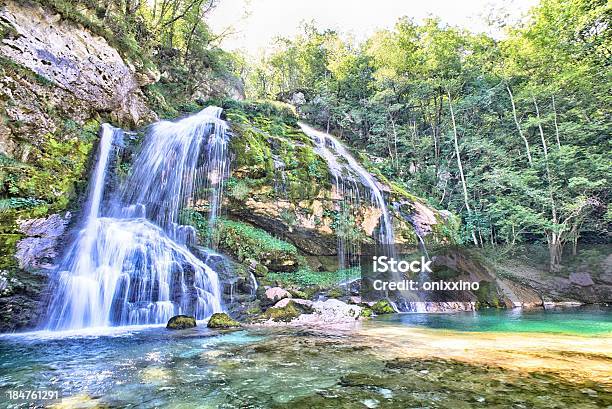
{"points": [[287, 368], [576, 321]]}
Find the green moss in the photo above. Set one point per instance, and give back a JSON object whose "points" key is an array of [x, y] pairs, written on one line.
{"points": [[222, 320], [366, 312], [8, 243], [57, 165], [181, 322], [264, 133], [382, 307], [335, 292], [487, 295], [259, 108], [246, 242], [283, 314], [238, 189], [306, 277]]}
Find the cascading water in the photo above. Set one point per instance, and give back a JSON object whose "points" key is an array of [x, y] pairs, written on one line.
{"points": [[130, 265], [345, 169], [345, 185]]}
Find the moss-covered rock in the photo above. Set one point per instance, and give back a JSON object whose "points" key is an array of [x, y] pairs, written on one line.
{"points": [[366, 312], [382, 307], [284, 314], [181, 322], [222, 320]]}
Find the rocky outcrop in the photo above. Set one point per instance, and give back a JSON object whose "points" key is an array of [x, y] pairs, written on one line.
{"points": [[41, 246], [82, 65], [298, 312]]}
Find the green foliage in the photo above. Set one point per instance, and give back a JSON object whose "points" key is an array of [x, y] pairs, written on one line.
{"points": [[545, 87], [382, 307], [51, 177], [306, 277], [246, 242], [238, 189], [19, 203]]}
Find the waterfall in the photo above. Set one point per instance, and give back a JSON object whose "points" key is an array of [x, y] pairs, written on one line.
{"points": [[130, 264], [346, 171]]}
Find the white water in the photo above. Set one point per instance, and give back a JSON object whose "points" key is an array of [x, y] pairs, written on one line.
{"points": [[344, 168], [130, 265], [332, 150]]}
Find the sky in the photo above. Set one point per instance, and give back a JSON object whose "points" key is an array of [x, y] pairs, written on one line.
{"points": [[256, 23]]}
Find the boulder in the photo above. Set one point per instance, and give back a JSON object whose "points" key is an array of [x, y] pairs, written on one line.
{"points": [[181, 322], [581, 279], [284, 313], [382, 307], [274, 294], [285, 301], [309, 313], [222, 320]]}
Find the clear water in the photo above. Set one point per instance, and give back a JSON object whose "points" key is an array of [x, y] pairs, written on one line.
{"points": [[577, 321], [279, 368]]}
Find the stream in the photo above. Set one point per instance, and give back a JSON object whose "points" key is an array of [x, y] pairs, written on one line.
{"points": [[459, 360]]}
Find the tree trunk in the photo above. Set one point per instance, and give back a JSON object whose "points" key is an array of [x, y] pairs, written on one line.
{"points": [[460, 165], [556, 124], [555, 245], [518, 125]]}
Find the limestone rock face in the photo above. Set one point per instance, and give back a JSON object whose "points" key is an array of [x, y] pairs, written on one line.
{"points": [[40, 248], [73, 59], [581, 279]]}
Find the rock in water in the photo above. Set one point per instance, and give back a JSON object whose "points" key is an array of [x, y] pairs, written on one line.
{"points": [[382, 307], [222, 320], [181, 322]]}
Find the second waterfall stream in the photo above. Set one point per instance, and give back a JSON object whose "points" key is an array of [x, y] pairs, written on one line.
{"points": [[129, 263]]}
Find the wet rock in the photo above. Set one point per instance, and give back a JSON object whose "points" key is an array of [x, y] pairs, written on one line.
{"points": [[42, 246], [258, 269], [285, 301], [222, 320], [581, 279], [297, 312], [181, 322]]}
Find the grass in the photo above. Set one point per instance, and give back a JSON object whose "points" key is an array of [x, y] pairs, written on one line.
{"points": [[248, 241], [305, 277]]}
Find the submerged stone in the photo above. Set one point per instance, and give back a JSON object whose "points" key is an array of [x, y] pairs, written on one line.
{"points": [[222, 320], [181, 322]]}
